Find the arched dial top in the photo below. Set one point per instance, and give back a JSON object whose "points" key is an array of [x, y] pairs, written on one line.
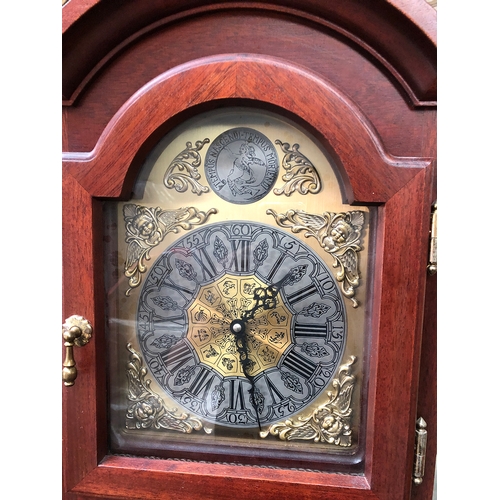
{"points": [[236, 278]]}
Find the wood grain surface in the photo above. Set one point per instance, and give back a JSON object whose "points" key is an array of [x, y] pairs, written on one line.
{"points": [[360, 76]]}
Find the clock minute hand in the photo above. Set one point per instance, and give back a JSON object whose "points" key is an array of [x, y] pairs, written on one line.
{"points": [[265, 298], [238, 329]]}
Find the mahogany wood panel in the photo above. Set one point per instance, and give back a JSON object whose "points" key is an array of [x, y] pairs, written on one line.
{"points": [[402, 31], [84, 409], [426, 407], [362, 106], [151, 477], [398, 313], [427, 387], [352, 65], [369, 174]]}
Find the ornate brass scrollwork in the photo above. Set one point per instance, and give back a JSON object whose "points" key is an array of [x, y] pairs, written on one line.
{"points": [[76, 331], [146, 227], [330, 422], [146, 409], [186, 161], [300, 174], [339, 234]]}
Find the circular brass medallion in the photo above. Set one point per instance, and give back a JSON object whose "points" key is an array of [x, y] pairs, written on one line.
{"points": [[241, 165]]}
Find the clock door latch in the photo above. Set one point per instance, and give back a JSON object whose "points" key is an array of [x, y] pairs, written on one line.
{"points": [[76, 331], [432, 265], [420, 450]]}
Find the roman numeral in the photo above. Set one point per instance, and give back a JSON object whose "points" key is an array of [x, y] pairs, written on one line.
{"points": [[276, 266], [310, 330], [241, 256], [302, 294], [276, 395], [176, 357], [236, 396], [299, 364], [207, 266], [173, 324], [202, 383], [176, 286]]}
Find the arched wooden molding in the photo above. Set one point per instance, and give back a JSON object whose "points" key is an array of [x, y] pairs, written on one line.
{"points": [[399, 34], [341, 126]]}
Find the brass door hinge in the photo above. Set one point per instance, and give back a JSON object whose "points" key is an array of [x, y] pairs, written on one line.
{"points": [[432, 266], [420, 449]]}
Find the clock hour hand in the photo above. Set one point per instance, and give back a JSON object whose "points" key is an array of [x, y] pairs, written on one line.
{"points": [[265, 298]]}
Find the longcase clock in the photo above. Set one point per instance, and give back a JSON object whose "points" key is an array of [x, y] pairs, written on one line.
{"points": [[249, 302]]}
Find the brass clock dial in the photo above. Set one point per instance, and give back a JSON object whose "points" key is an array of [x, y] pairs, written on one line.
{"points": [[236, 294], [211, 278]]}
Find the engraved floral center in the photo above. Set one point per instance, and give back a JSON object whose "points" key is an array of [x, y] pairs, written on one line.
{"points": [[213, 311]]}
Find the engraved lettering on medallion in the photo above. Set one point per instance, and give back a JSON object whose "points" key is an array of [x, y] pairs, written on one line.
{"points": [[241, 165]]}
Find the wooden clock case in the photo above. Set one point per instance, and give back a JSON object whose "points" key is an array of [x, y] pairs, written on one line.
{"points": [[361, 77]]}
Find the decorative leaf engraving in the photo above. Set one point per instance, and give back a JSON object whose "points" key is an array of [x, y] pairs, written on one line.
{"points": [[295, 274], [248, 289], [315, 310], [260, 253], [201, 335], [184, 375], [314, 350], [268, 355], [211, 352], [227, 287], [228, 363], [338, 234], [165, 341], [185, 269], [187, 160], [251, 366], [301, 175], [278, 317], [210, 297], [201, 315], [227, 344], [329, 423], [218, 396], [220, 251], [277, 338], [292, 382], [146, 227], [147, 410], [257, 400], [165, 303]]}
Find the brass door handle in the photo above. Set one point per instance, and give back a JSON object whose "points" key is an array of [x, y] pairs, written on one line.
{"points": [[76, 331]]}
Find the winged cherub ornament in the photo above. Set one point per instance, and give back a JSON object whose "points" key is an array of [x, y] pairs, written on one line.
{"points": [[339, 234], [146, 227]]}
